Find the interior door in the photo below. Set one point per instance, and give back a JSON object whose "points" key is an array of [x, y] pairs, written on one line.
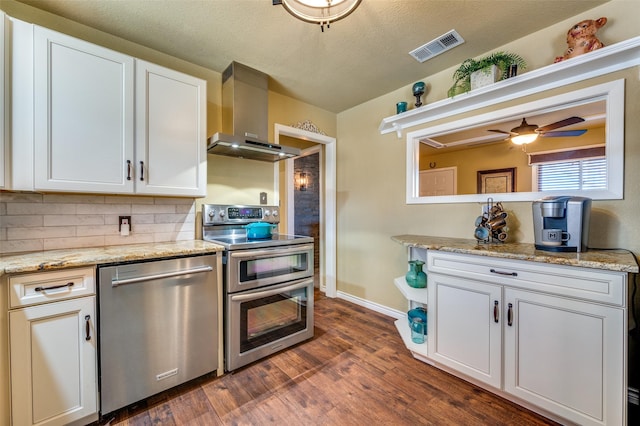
{"points": [[438, 181]]}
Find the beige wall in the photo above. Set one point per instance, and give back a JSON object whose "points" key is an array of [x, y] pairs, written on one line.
{"points": [[371, 193]]}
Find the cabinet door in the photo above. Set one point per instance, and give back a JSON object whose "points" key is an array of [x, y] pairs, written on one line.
{"points": [[566, 356], [83, 115], [171, 157], [53, 364], [3, 102], [464, 327]]}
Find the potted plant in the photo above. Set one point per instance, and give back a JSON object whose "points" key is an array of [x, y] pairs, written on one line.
{"points": [[501, 60]]}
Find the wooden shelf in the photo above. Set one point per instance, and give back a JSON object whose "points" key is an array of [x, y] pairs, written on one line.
{"points": [[624, 54], [410, 293]]}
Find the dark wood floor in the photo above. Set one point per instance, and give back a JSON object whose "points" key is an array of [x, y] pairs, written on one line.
{"points": [[355, 371]]}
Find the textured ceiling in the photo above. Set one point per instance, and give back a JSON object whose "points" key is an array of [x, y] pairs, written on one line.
{"points": [[357, 59]]}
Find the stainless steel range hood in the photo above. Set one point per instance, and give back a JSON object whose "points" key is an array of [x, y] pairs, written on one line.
{"points": [[244, 118]]}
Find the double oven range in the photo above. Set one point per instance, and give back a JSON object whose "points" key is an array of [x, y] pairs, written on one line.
{"points": [[267, 283]]}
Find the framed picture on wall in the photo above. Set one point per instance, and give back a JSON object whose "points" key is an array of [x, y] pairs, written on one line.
{"points": [[497, 181]]}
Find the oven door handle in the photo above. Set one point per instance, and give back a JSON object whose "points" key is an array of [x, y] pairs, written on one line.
{"points": [[268, 292], [250, 254]]}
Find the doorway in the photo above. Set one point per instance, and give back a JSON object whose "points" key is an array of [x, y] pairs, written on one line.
{"points": [[307, 178], [327, 187]]}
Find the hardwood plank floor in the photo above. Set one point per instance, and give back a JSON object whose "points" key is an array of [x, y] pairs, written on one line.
{"points": [[355, 371]]}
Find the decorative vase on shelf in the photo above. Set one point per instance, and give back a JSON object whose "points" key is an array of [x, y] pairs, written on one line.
{"points": [[415, 276]]}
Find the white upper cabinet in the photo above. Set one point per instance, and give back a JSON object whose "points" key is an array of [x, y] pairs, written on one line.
{"points": [[105, 122], [83, 115], [170, 132], [3, 121]]}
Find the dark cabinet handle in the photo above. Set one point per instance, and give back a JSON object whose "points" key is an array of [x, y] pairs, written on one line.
{"points": [[496, 311], [510, 315], [511, 274], [128, 169], [87, 324], [142, 170], [53, 287]]}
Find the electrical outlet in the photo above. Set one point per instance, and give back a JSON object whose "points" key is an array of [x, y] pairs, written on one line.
{"points": [[124, 225], [263, 198]]}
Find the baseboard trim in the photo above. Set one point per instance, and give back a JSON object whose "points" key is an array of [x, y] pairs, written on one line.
{"points": [[371, 305]]}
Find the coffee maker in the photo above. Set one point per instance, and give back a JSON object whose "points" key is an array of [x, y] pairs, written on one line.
{"points": [[561, 223]]}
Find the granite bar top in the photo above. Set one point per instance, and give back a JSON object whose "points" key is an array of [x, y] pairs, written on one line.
{"points": [[610, 260], [70, 258]]}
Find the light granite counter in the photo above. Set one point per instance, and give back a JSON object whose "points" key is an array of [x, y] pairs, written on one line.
{"points": [[71, 258], [610, 260]]}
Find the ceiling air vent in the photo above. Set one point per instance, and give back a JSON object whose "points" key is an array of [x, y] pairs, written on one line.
{"points": [[437, 46]]}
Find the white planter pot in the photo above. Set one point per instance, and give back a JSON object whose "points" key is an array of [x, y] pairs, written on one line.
{"points": [[484, 77]]}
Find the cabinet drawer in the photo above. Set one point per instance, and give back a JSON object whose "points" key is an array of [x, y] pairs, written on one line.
{"points": [[583, 283], [42, 287]]}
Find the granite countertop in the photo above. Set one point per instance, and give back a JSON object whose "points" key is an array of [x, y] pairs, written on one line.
{"points": [[610, 260], [70, 258]]}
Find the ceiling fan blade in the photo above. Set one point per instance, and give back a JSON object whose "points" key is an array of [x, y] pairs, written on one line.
{"points": [[502, 131], [563, 133], [562, 123]]}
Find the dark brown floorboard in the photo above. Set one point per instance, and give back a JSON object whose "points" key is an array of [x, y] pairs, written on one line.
{"points": [[355, 371]]}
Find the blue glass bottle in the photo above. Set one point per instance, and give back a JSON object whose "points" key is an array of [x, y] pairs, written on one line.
{"points": [[416, 277]]}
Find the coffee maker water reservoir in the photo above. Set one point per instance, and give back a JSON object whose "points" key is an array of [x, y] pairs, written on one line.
{"points": [[561, 223]]}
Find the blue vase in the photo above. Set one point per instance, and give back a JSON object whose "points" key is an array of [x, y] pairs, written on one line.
{"points": [[415, 276]]}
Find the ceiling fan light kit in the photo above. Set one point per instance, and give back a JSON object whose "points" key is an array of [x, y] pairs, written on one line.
{"points": [[321, 12], [526, 133]]}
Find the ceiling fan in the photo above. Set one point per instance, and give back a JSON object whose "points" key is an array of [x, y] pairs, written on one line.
{"points": [[526, 133]]}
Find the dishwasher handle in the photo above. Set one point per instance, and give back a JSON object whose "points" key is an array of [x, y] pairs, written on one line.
{"points": [[117, 282]]}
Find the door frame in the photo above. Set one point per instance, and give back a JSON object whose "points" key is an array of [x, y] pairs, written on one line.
{"points": [[327, 200]]}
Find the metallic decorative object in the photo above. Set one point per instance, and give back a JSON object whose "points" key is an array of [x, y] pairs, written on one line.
{"points": [[491, 226], [418, 91], [322, 12], [309, 126]]}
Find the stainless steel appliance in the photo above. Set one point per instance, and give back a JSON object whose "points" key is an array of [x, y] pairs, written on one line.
{"points": [[244, 118], [561, 223], [267, 283], [157, 327]]}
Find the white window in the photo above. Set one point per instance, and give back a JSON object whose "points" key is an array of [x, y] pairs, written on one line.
{"points": [[581, 169]]}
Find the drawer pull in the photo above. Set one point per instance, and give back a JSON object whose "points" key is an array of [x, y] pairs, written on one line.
{"points": [[87, 324], [510, 315], [510, 274], [54, 287], [142, 171], [496, 311]]}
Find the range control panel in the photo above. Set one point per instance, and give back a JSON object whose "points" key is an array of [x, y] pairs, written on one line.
{"points": [[222, 214]]}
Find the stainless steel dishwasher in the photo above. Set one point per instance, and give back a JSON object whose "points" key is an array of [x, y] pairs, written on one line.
{"points": [[157, 326]]}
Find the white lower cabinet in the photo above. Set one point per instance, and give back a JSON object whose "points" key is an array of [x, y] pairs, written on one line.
{"points": [[548, 336], [566, 356], [464, 328], [53, 354]]}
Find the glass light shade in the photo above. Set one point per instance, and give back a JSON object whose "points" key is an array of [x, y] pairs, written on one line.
{"points": [[524, 139], [320, 11]]}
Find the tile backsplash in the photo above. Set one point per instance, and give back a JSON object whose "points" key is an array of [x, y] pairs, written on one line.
{"points": [[34, 222]]}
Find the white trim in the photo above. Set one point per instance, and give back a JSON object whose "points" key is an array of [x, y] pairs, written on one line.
{"points": [[328, 244], [381, 309], [613, 92]]}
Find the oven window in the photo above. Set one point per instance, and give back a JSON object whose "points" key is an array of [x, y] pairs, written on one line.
{"points": [[270, 318], [255, 269]]}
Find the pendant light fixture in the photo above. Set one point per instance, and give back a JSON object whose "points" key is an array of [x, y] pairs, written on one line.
{"points": [[322, 12]]}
